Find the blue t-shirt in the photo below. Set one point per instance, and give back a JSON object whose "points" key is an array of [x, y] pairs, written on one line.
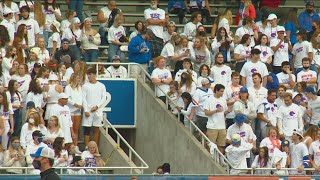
{"points": [[175, 4], [290, 26]]}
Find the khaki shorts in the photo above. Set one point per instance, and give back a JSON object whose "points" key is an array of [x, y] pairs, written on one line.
{"points": [[217, 136]]}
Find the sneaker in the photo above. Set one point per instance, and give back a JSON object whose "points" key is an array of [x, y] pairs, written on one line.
{"points": [[76, 149]]}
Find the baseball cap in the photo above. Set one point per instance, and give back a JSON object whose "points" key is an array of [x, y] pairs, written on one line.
{"points": [[43, 152], [281, 29], [272, 16], [255, 51], [115, 57], [206, 81], [63, 96], [309, 3], [240, 118], [56, 24], [75, 20], [294, 94], [236, 139], [285, 143], [298, 132], [310, 89], [37, 133], [243, 89], [37, 65], [7, 10], [31, 104], [35, 50], [65, 40], [76, 159]]}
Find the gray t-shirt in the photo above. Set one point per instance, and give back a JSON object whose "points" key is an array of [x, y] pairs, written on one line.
{"points": [[314, 105]]}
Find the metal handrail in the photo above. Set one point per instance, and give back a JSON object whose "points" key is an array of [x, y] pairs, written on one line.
{"points": [[216, 154], [144, 165]]}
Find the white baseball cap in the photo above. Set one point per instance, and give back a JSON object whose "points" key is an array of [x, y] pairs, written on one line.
{"points": [[7, 10], [43, 152], [63, 96], [272, 17], [56, 24], [281, 29]]}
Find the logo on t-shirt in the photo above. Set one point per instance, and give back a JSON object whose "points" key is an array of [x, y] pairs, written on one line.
{"points": [[281, 46], [264, 53], [272, 109], [292, 113], [218, 106], [29, 27], [300, 49], [273, 35], [20, 83], [254, 70], [242, 134], [200, 58], [155, 15], [223, 73]]}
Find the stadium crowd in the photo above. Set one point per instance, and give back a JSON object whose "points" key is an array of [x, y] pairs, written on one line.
{"points": [[264, 113]]}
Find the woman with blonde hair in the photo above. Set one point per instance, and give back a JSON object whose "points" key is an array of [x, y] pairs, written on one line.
{"points": [[73, 33], [74, 91], [90, 40], [39, 16], [92, 156], [226, 20], [34, 122], [52, 94], [184, 47], [202, 54], [14, 157], [70, 14], [310, 135]]}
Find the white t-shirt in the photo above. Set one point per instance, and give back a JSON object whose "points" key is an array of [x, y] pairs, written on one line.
{"points": [[178, 75], [250, 67], [14, 7], [314, 150], [257, 96], [161, 74], [115, 33], [33, 29], [298, 151], [50, 17], [269, 111], [242, 51], [10, 27], [306, 75], [301, 50], [221, 75], [266, 52], [289, 116], [267, 142], [64, 116], [190, 29], [65, 24], [242, 31], [120, 72], [314, 106], [281, 54], [106, 13], [23, 84], [316, 56], [224, 23], [43, 55], [284, 78], [155, 14], [217, 120], [201, 57], [271, 32], [200, 96], [167, 51], [67, 33], [54, 38]]}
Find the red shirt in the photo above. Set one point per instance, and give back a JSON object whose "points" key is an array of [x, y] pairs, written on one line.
{"points": [[269, 3]]}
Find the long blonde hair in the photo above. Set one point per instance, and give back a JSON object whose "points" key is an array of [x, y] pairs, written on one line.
{"points": [[56, 119], [73, 81], [228, 15], [39, 16]]}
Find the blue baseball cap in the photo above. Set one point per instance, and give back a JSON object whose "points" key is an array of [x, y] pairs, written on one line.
{"points": [[240, 118], [243, 89], [310, 89], [285, 143], [43, 152]]}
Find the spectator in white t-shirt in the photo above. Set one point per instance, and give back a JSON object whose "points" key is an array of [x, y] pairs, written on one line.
{"points": [[54, 41], [266, 52], [271, 31], [155, 18], [313, 110], [161, 77], [242, 52], [254, 66], [300, 50], [299, 153], [116, 38], [221, 73], [6, 22], [307, 75], [103, 18], [216, 108], [190, 28], [52, 13], [257, 92], [286, 78], [248, 28], [116, 70], [314, 152]]}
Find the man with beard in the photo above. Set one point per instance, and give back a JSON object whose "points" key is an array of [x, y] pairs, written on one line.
{"points": [[116, 70], [285, 77], [32, 26], [254, 66], [307, 75], [307, 17], [221, 73]]}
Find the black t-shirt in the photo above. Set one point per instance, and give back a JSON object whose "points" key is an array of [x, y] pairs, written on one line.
{"points": [[59, 54], [49, 174]]}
